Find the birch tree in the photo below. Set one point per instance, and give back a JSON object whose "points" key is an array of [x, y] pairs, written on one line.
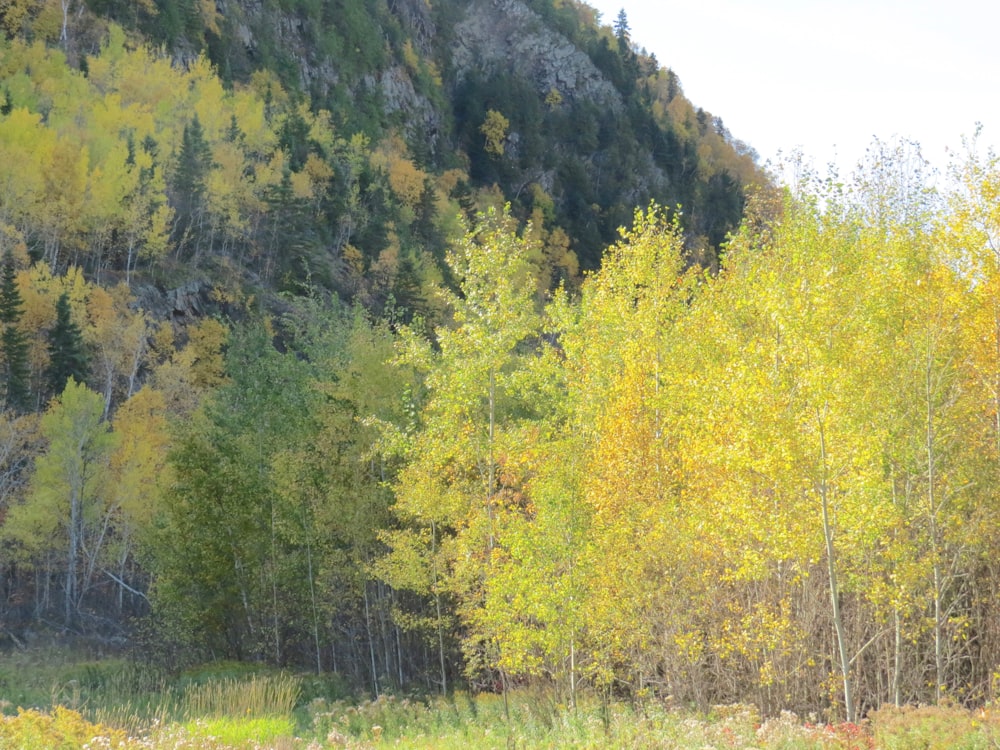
{"points": [[462, 476], [64, 510]]}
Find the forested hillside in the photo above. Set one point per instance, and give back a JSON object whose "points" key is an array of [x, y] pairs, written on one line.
{"points": [[299, 365], [389, 118]]}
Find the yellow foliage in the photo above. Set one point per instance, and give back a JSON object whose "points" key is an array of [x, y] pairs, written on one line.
{"points": [[249, 111], [204, 353], [682, 116], [39, 291], [48, 23], [15, 14], [60, 728], [208, 96], [387, 265], [320, 172], [302, 186], [494, 129], [449, 180], [405, 178], [210, 16], [410, 58], [267, 86], [320, 128], [183, 376], [231, 196], [407, 181], [139, 463], [353, 258], [11, 238]]}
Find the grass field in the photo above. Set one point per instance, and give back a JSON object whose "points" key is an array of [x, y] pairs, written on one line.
{"points": [[52, 700]]}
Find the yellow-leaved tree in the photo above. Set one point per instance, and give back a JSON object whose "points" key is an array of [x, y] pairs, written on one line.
{"points": [[65, 513], [620, 377], [463, 487]]}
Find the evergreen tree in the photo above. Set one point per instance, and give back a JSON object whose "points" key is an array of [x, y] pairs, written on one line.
{"points": [[293, 137], [424, 227], [188, 185], [67, 356], [622, 30], [291, 232], [13, 342]]}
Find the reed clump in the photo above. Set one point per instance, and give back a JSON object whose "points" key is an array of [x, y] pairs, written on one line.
{"points": [[257, 696]]}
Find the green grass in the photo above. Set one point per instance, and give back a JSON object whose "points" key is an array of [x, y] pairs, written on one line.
{"points": [[217, 706], [538, 721], [243, 732], [256, 695], [68, 703]]}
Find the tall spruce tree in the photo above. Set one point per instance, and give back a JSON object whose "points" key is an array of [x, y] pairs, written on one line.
{"points": [[67, 353], [292, 236], [188, 184], [13, 342]]}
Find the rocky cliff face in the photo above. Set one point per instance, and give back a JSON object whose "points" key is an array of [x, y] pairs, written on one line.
{"points": [[506, 35], [489, 37], [421, 120]]}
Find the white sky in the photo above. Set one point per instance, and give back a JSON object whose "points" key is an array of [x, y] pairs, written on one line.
{"points": [[827, 76]]}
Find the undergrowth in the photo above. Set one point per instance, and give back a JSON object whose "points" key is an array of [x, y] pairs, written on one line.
{"points": [[120, 705]]}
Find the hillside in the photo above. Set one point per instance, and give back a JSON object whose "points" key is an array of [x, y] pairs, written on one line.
{"points": [[595, 126], [426, 110]]}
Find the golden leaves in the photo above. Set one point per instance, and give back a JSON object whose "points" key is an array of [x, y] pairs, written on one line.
{"points": [[494, 129]]}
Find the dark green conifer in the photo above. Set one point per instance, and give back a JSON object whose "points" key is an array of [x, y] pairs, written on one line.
{"points": [[13, 342], [623, 32], [293, 137], [67, 354], [292, 235], [188, 184], [424, 227]]}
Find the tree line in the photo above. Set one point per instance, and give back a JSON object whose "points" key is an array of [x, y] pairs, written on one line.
{"points": [[775, 483]]}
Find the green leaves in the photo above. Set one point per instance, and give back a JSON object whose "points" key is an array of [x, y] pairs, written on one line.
{"points": [[467, 460], [65, 513]]}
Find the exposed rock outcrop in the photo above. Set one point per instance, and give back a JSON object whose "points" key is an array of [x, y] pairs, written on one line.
{"points": [[499, 35], [422, 120], [181, 305]]}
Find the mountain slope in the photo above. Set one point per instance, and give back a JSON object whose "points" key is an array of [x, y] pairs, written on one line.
{"points": [[389, 117]]}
